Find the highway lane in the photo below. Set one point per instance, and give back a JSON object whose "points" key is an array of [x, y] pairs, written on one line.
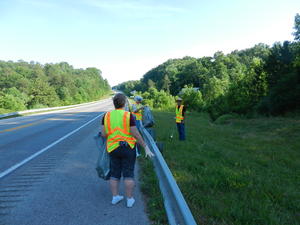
{"points": [[23, 136], [59, 186]]}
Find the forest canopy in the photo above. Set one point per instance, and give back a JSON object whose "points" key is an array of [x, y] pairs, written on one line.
{"points": [[33, 85], [260, 79]]}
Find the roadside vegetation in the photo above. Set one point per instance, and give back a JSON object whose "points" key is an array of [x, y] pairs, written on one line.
{"points": [[240, 164], [152, 195], [260, 80], [232, 171], [32, 85]]}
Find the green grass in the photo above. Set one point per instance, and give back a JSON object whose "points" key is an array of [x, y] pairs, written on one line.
{"points": [[150, 188], [244, 171]]}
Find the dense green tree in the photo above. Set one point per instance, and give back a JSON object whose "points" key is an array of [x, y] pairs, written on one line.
{"points": [[214, 88], [30, 85], [260, 78], [166, 84], [297, 27], [158, 99], [283, 79], [151, 84], [192, 98], [8, 101]]}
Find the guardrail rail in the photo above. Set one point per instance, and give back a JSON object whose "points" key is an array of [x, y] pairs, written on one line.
{"points": [[46, 109], [178, 212]]}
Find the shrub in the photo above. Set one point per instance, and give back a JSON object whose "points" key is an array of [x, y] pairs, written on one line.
{"points": [[158, 99], [11, 102], [192, 98]]}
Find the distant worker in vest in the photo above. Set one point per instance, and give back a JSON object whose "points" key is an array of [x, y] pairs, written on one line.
{"points": [[180, 113], [137, 110], [120, 130]]}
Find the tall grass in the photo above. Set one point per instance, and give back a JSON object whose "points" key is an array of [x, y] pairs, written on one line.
{"points": [[242, 171]]}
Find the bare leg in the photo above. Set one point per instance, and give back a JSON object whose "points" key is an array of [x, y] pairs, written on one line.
{"points": [[129, 187], [114, 187]]}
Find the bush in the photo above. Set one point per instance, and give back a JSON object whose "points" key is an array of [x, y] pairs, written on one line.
{"points": [[192, 98], [4, 111], [285, 96], [158, 99], [8, 101], [39, 106]]}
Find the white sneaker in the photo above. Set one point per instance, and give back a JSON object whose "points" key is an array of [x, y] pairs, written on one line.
{"points": [[130, 202], [116, 199]]}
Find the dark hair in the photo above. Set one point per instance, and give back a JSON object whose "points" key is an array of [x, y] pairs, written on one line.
{"points": [[119, 100]]}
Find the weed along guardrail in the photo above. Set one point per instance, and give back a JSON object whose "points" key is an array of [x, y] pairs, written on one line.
{"points": [[178, 212]]}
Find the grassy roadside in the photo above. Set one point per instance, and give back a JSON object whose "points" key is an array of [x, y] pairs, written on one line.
{"points": [[150, 188], [240, 171]]}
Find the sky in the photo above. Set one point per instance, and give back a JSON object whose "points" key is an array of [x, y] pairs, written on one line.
{"points": [[127, 38]]}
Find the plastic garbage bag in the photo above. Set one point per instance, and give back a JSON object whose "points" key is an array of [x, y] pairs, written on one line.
{"points": [[148, 120], [103, 162]]}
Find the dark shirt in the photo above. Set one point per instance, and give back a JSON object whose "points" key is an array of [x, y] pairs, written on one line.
{"points": [[132, 120]]}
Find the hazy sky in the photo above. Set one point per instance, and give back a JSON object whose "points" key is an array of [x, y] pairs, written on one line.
{"points": [[127, 38]]}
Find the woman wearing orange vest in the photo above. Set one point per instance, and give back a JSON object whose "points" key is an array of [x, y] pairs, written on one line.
{"points": [[137, 110], [180, 111], [121, 134]]}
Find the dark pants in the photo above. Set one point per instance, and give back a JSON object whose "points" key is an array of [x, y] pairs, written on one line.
{"points": [[122, 161], [181, 131]]}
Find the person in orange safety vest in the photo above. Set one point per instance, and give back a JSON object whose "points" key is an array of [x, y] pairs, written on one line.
{"points": [[118, 126], [137, 110]]}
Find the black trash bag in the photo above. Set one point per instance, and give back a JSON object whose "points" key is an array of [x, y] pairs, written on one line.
{"points": [[103, 162], [148, 120]]}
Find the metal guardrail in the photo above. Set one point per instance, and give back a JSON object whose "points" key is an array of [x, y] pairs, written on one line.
{"points": [[178, 212], [45, 109]]}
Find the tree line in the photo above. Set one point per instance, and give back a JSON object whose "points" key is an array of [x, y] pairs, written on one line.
{"points": [[260, 79], [26, 85]]}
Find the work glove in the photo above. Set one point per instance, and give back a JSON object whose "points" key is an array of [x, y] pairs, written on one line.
{"points": [[148, 152]]}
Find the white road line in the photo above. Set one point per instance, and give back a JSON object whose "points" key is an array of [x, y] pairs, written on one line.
{"points": [[13, 168]]}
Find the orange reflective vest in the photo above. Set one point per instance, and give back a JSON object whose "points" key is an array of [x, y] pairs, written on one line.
{"points": [[179, 116], [117, 128], [138, 115]]}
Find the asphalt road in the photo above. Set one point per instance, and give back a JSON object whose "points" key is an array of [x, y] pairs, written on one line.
{"points": [[59, 185]]}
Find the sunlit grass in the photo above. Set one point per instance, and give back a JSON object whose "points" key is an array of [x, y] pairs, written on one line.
{"points": [[246, 171], [150, 188]]}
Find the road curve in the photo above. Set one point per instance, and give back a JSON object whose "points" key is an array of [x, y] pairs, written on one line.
{"points": [[58, 182]]}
